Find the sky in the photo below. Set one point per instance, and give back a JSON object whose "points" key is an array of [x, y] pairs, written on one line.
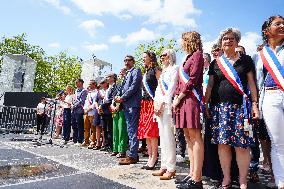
{"points": [[110, 29]]}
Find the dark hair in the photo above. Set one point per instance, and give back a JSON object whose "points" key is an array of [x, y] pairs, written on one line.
{"points": [[115, 77], [93, 81], [208, 57], [244, 49], [79, 80], [266, 25], [153, 58], [130, 57]]}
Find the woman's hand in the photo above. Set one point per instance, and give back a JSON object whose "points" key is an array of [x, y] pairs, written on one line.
{"points": [[159, 108], [255, 111], [176, 102], [207, 112]]}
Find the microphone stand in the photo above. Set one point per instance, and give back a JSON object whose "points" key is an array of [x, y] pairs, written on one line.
{"points": [[53, 122]]}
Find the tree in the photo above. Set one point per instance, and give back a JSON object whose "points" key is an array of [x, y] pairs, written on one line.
{"points": [[53, 73], [157, 46], [64, 70]]}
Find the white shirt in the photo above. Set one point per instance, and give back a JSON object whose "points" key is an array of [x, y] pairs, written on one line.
{"points": [[90, 102], [40, 108], [69, 99], [279, 52], [169, 75]]}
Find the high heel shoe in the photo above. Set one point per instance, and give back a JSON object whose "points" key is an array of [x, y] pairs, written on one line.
{"points": [[168, 175], [160, 172], [227, 186], [184, 180], [147, 167]]}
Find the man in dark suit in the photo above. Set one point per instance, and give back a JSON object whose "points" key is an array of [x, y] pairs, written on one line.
{"points": [[105, 108], [131, 98], [78, 112]]}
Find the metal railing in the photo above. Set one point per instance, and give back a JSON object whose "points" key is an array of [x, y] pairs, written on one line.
{"points": [[17, 119]]}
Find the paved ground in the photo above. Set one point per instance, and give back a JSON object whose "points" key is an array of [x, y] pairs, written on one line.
{"points": [[74, 167]]}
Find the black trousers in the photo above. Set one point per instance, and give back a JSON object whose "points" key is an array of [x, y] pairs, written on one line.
{"points": [[66, 123], [41, 121], [181, 143], [107, 129]]}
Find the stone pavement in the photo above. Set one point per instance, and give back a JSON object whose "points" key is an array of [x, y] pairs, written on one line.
{"points": [[77, 167]]}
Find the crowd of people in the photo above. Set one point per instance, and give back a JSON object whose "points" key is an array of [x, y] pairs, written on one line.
{"points": [[236, 99]]}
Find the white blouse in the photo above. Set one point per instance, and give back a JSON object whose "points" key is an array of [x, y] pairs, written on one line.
{"points": [[69, 99], [40, 108], [169, 75]]}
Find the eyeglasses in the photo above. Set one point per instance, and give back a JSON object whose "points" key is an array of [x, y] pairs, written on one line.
{"points": [[215, 50], [228, 39], [277, 24], [163, 55], [128, 60]]}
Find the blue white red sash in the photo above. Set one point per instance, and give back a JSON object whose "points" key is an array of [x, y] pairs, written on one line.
{"points": [[185, 78], [273, 66], [163, 86], [90, 99], [146, 86], [102, 94], [230, 73]]}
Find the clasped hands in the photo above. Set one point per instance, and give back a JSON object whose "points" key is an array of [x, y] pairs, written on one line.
{"points": [[159, 108]]}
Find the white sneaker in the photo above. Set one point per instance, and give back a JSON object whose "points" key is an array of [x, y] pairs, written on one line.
{"points": [[77, 144], [180, 159], [71, 143]]}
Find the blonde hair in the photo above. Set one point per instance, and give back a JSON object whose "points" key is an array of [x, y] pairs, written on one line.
{"points": [[69, 87], [191, 42]]}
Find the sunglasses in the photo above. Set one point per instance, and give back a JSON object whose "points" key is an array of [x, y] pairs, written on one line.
{"points": [[163, 55]]}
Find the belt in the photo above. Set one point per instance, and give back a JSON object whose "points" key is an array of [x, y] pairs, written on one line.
{"points": [[272, 88]]}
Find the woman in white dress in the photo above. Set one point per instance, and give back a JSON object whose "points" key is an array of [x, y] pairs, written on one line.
{"points": [[163, 113]]}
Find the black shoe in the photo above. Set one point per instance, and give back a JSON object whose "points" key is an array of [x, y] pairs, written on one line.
{"points": [[147, 167], [121, 155], [184, 180], [104, 148], [96, 148], [191, 184], [114, 154]]}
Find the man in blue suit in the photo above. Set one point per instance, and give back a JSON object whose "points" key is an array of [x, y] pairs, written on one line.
{"points": [[78, 112], [131, 98]]}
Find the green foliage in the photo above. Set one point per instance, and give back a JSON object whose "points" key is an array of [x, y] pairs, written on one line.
{"points": [[157, 46], [63, 71], [53, 73]]}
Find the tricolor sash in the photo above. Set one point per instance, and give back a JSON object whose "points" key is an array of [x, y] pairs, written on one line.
{"points": [[90, 99], [273, 66], [185, 78], [101, 94], [163, 86], [147, 87], [230, 73]]}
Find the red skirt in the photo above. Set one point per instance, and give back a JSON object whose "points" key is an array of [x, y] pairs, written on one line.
{"points": [[148, 128]]}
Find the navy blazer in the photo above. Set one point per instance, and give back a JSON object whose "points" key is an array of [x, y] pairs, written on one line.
{"points": [[80, 101], [112, 92], [131, 91]]}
